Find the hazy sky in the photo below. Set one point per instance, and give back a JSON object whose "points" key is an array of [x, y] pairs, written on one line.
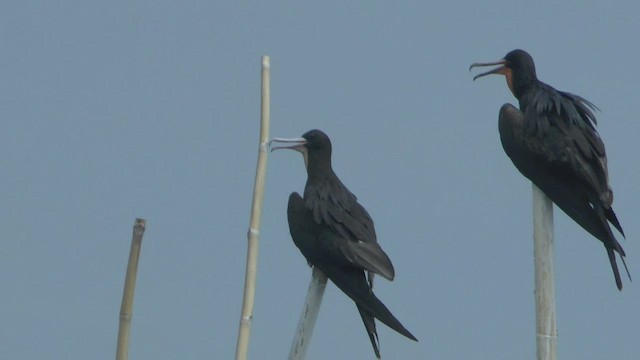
{"points": [[124, 109]]}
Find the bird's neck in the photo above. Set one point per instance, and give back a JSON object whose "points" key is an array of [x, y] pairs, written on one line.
{"points": [[318, 165], [522, 84], [320, 171]]}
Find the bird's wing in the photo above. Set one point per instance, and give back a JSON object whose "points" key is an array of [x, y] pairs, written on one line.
{"points": [[556, 180], [535, 159], [323, 229], [323, 248], [334, 205], [561, 127], [369, 256]]}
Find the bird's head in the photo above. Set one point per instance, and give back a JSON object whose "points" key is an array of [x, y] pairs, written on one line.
{"points": [[314, 145], [517, 67]]}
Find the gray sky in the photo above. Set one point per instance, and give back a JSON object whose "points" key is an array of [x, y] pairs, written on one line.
{"points": [[121, 109]]}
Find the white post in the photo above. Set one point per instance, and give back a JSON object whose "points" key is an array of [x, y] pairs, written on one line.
{"points": [[546, 332], [308, 316], [242, 346]]}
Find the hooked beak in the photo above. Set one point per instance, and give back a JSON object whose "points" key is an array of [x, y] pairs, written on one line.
{"points": [[296, 144], [502, 70]]}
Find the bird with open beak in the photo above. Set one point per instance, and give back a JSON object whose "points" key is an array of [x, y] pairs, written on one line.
{"points": [[552, 141]]}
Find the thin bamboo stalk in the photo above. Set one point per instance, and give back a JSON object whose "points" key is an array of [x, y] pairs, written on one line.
{"points": [[126, 308], [253, 235], [308, 316], [546, 332]]}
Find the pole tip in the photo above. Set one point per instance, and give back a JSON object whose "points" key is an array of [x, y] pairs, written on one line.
{"points": [[266, 61], [140, 225]]}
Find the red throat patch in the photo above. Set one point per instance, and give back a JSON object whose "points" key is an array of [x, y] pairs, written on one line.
{"points": [[508, 74]]}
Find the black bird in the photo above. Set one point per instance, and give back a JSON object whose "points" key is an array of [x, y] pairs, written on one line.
{"points": [[336, 234], [552, 140]]}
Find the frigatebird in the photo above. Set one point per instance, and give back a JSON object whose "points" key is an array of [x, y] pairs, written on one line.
{"points": [[336, 234], [552, 140]]}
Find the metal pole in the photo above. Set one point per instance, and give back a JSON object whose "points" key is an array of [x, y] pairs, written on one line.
{"points": [[308, 316], [242, 346], [546, 332]]}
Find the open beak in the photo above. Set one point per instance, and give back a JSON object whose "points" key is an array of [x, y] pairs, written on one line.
{"points": [[502, 70]]}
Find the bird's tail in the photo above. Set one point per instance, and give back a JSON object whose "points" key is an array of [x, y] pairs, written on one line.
{"points": [[611, 244], [353, 283], [614, 267], [370, 325], [611, 216]]}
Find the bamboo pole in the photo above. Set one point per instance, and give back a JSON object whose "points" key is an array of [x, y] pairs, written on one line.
{"points": [[546, 332], [126, 308], [242, 346], [308, 316]]}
